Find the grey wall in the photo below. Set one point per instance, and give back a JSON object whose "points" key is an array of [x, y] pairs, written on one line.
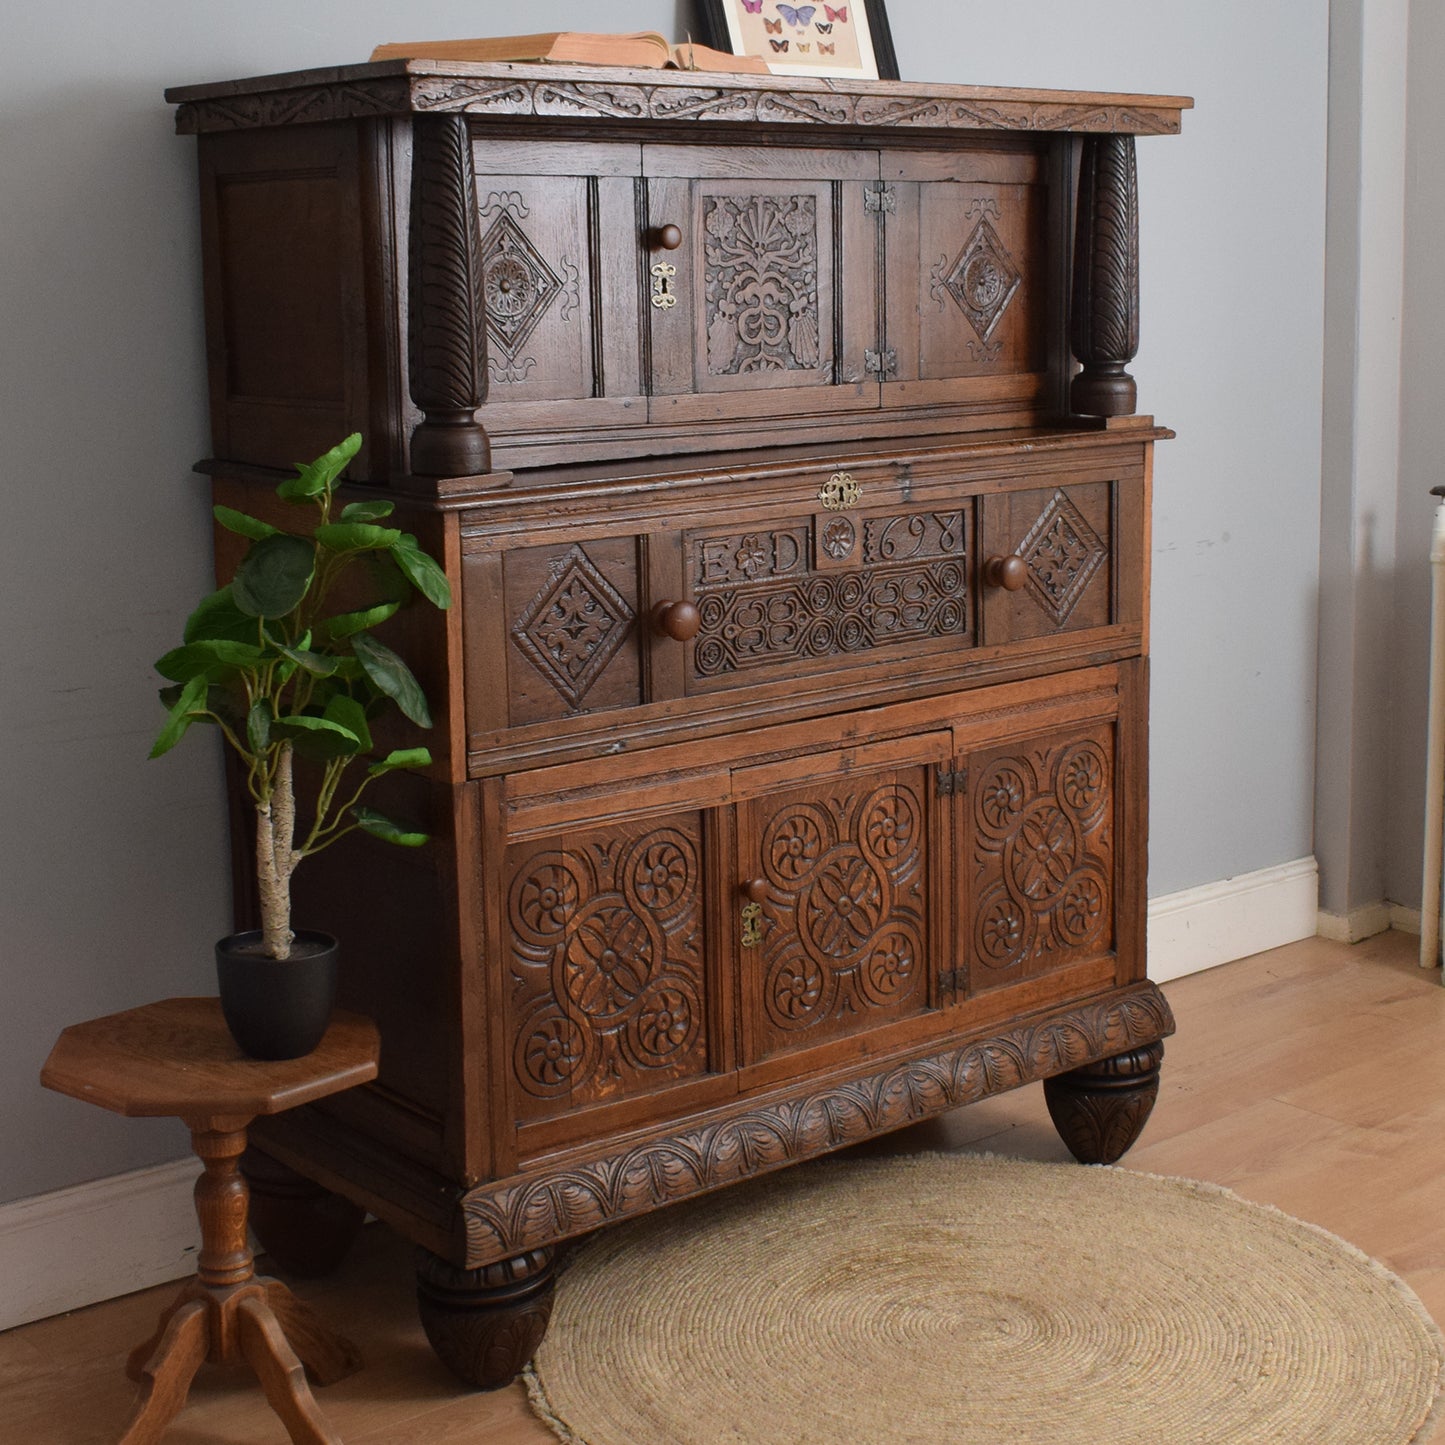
{"points": [[114, 869], [1422, 449]]}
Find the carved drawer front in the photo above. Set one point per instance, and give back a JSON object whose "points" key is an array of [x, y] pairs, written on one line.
{"points": [[1040, 826], [968, 263], [837, 902], [766, 304], [605, 941], [826, 590], [565, 640], [1064, 537]]}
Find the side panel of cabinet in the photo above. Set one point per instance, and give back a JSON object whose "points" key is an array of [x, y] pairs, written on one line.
{"points": [[768, 305]]}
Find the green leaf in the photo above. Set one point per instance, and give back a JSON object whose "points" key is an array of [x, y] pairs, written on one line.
{"points": [[181, 716], [401, 758], [313, 478], [217, 616], [318, 737], [423, 571], [318, 664], [243, 525], [258, 726], [352, 716], [274, 575], [348, 624], [356, 537], [392, 676], [382, 827], [367, 511], [211, 657]]}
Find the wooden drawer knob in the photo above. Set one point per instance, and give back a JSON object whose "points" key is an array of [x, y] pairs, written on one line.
{"points": [[677, 620], [755, 890], [1010, 573], [666, 238]]}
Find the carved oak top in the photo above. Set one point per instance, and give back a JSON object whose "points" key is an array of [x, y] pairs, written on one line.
{"points": [[554, 92]]}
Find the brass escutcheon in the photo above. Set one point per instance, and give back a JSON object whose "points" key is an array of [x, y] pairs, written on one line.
{"points": [[840, 492], [662, 275], [752, 924]]}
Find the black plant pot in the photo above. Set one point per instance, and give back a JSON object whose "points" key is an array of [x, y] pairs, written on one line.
{"points": [[277, 1008]]}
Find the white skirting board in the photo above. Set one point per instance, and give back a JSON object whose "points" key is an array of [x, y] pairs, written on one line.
{"points": [[95, 1241]]}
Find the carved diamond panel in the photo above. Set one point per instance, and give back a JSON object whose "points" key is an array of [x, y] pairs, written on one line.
{"points": [[517, 285], [844, 923], [607, 965], [983, 280], [574, 626], [1043, 855], [1062, 552], [760, 259]]}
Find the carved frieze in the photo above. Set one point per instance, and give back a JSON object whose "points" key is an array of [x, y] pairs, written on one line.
{"points": [[512, 1215], [606, 964]]}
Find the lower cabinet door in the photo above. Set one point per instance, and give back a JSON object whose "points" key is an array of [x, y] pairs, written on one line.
{"points": [[839, 904]]}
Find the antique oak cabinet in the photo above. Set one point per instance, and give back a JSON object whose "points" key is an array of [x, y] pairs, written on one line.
{"points": [[789, 777]]}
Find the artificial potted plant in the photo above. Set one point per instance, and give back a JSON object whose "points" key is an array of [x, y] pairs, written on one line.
{"points": [[283, 660]]}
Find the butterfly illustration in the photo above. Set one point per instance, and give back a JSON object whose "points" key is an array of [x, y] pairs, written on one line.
{"points": [[841, 13], [778, 44], [824, 27], [753, 7], [773, 27], [799, 16], [827, 49], [804, 47]]}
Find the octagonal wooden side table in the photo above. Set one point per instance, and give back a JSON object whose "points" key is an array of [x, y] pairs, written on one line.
{"points": [[176, 1057]]}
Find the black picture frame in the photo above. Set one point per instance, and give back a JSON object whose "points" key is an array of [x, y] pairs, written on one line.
{"points": [[713, 24]]}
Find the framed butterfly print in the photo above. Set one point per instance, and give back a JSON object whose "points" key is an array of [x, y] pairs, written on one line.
{"points": [[816, 38]]}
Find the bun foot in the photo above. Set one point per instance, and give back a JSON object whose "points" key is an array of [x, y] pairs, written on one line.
{"points": [[486, 1323], [305, 1228], [1101, 1109]]}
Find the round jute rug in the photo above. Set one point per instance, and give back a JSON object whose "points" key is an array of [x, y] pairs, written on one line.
{"points": [[968, 1300]]}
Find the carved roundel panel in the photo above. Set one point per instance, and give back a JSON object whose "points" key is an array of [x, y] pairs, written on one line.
{"points": [[844, 921], [607, 962], [1043, 855]]}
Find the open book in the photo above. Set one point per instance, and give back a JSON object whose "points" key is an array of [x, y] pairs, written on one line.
{"points": [[641, 48]]}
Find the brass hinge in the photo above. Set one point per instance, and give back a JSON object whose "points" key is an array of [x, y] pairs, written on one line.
{"points": [[879, 197], [951, 781], [880, 363]]}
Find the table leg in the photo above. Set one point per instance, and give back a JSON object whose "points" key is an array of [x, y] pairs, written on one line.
{"points": [[328, 1356], [281, 1374], [166, 1376]]}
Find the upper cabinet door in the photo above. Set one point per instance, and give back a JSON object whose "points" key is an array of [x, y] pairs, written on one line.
{"points": [[558, 227], [972, 295], [765, 302]]}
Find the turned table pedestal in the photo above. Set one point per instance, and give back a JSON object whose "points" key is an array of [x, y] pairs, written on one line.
{"points": [[175, 1057]]}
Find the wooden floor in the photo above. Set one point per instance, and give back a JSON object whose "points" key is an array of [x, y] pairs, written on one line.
{"points": [[1311, 1078]]}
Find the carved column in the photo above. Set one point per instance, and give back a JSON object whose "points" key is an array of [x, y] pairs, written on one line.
{"points": [[447, 336], [1104, 325]]}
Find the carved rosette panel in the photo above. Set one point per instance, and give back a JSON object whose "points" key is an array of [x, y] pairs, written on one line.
{"points": [[983, 279], [760, 266], [844, 924], [527, 1211], [574, 626], [761, 603], [606, 965], [1043, 855], [1062, 552], [518, 286]]}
